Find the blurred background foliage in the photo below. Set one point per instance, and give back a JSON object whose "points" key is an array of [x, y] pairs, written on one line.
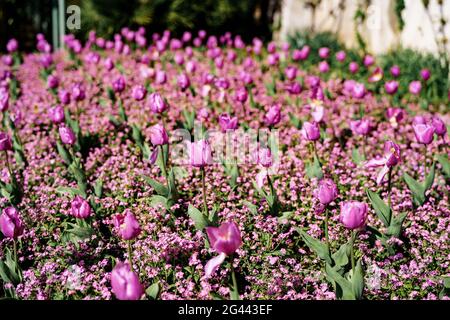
{"points": [[22, 19]]}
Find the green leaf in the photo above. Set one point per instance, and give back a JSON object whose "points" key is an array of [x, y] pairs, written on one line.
{"points": [[159, 187], [81, 232], [253, 208], [65, 155], [445, 163], [285, 217], [198, 217], [157, 200], [216, 296], [153, 291], [358, 281], [320, 248], [72, 191], [357, 157], [295, 121], [416, 188], [98, 188], [430, 178], [314, 170], [344, 284], [395, 228], [340, 257], [381, 208]]}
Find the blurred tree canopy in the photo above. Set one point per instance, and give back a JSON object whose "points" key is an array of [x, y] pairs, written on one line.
{"points": [[249, 18], [22, 19]]}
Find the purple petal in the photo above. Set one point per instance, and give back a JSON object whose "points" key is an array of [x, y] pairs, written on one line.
{"points": [[214, 264]]}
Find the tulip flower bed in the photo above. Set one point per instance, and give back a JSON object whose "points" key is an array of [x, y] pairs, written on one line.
{"points": [[115, 183]]}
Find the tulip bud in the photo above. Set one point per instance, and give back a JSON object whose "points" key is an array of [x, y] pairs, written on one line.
{"points": [[67, 135], [11, 224], [64, 96], [324, 67], [424, 133], [125, 283], [160, 77], [183, 81], [12, 45], [264, 157], [52, 82], [425, 74], [273, 116], [439, 126], [361, 127], [241, 95], [200, 154], [368, 60], [126, 225], [415, 87], [324, 52], [5, 142], [327, 191], [311, 131], [118, 85], [290, 73], [353, 67], [56, 114], [358, 91], [78, 92], [138, 92], [4, 99], [157, 103], [395, 71], [340, 56], [391, 87], [158, 135], [353, 214], [80, 208]]}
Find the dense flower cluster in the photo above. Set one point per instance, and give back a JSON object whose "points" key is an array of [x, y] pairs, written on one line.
{"points": [[95, 207]]}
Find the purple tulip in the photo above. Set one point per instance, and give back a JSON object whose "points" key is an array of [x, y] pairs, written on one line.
{"points": [[227, 123], [5, 142], [200, 154], [368, 60], [263, 156], [157, 103], [183, 81], [361, 127], [138, 92], [67, 135], [12, 45], [353, 67], [327, 191], [390, 158], [273, 116], [324, 67], [317, 112], [118, 84], [8, 60], [290, 73], [109, 64], [340, 56], [158, 135], [395, 71], [125, 283], [4, 99], [64, 96], [52, 82], [56, 114], [391, 87], [11, 224], [294, 88], [415, 87], [241, 95], [353, 214], [160, 77], [358, 90], [395, 115], [424, 133], [225, 240], [78, 92], [376, 75], [80, 208], [126, 224], [324, 52], [425, 74], [310, 131], [439, 126]]}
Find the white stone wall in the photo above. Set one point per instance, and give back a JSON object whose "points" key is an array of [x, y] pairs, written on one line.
{"points": [[380, 29]]}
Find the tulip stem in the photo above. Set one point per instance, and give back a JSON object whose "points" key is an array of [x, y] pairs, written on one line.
{"points": [[389, 187], [233, 279], [352, 253], [9, 165], [326, 227], [130, 258], [164, 169], [205, 205]]}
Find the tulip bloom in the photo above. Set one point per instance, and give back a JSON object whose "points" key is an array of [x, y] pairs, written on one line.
{"points": [[11, 224], [67, 135], [324, 67], [311, 131], [395, 71], [158, 135], [340, 56], [353, 214], [395, 115], [183, 81], [425, 74], [358, 91], [324, 52], [273, 116], [157, 103], [118, 85], [4, 99], [138, 93], [424, 133], [227, 123], [390, 159], [376, 75], [56, 114], [200, 154], [290, 73], [126, 225], [439, 126], [353, 67], [327, 191], [391, 87], [80, 208], [361, 127], [5, 142], [225, 240], [125, 283], [415, 87], [241, 95]]}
